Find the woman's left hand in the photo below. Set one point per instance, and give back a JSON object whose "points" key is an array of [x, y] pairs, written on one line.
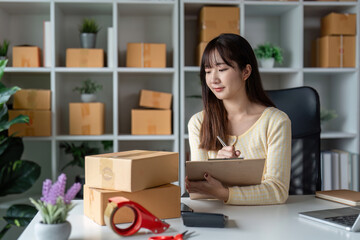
{"points": [[210, 186]]}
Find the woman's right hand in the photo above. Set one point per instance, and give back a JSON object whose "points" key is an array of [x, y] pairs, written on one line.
{"points": [[228, 152]]}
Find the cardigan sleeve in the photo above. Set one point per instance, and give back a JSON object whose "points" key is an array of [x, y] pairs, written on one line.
{"points": [[274, 187], [194, 127]]}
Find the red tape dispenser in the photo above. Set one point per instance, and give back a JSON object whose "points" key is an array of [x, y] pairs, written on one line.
{"points": [[142, 217]]}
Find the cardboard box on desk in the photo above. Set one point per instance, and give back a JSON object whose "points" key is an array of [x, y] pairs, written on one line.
{"points": [[163, 202], [338, 24], [150, 122], [337, 51], [87, 118], [154, 99], [84, 57], [26, 56], [216, 20], [144, 55], [39, 123], [35, 99], [131, 171]]}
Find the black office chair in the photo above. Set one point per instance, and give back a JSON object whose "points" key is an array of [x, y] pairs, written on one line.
{"points": [[302, 105]]}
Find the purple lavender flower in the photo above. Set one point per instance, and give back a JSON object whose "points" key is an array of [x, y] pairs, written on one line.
{"points": [[57, 190], [71, 193], [46, 188]]}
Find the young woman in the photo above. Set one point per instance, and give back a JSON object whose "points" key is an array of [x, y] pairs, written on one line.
{"points": [[237, 109]]}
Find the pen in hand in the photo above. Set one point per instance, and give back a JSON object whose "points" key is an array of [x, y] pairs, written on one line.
{"points": [[224, 145]]}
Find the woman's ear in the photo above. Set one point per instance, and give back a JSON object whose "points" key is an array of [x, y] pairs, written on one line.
{"points": [[246, 72]]}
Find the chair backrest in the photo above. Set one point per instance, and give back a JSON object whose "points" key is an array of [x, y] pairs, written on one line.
{"points": [[302, 105]]}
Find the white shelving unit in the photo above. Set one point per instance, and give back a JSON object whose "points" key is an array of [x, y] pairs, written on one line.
{"points": [[133, 21], [292, 26]]}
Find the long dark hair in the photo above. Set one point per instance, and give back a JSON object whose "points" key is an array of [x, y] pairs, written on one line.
{"points": [[231, 48]]}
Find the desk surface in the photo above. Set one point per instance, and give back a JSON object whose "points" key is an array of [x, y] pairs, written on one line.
{"points": [[245, 222]]}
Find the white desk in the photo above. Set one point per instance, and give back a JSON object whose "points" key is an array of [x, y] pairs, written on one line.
{"points": [[245, 222]]}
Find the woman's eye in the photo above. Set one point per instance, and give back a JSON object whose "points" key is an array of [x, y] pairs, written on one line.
{"points": [[207, 72], [223, 69]]}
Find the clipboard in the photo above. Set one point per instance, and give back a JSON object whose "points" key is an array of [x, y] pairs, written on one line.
{"points": [[231, 172]]}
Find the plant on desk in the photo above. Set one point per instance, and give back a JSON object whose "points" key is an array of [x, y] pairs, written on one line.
{"points": [[54, 207], [16, 175], [88, 90]]}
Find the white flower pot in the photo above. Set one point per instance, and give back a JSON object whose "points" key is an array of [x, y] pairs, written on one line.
{"points": [[88, 97], [60, 231], [267, 62]]}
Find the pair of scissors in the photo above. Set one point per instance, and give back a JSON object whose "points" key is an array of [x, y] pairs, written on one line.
{"points": [[180, 236]]}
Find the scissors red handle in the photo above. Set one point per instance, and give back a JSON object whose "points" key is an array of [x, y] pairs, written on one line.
{"points": [[176, 237]]}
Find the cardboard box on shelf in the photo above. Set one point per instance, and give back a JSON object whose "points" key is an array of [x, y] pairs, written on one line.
{"points": [[150, 122], [154, 99], [216, 20], [337, 51], [26, 56], [146, 55], [199, 52], [315, 53], [35, 99], [163, 202], [338, 24], [87, 118], [84, 57], [131, 171], [39, 123]]}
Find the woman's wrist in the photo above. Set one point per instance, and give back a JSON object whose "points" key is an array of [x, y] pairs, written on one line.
{"points": [[224, 194]]}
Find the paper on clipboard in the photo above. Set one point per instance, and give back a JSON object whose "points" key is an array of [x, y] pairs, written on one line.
{"points": [[231, 172]]}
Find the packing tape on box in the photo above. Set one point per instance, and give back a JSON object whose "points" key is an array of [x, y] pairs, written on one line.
{"points": [[106, 171], [341, 51], [155, 98], [142, 217], [31, 99]]}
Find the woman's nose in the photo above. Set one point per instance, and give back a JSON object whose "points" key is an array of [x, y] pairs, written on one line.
{"points": [[214, 78]]}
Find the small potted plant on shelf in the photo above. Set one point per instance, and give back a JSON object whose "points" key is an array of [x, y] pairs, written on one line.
{"points": [[54, 207], [3, 49], [268, 54], [88, 90], [326, 115], [88, 30]]}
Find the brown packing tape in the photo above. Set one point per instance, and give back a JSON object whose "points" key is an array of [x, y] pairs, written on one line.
{"points": [[106, 173], [85, 129], [132, 155], [151, 129], [156, 98], [341, 51], [85, 110], [31, 98]]}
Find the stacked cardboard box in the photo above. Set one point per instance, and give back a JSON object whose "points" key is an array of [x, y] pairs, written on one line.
{"points": [[146, 55], [87, 118], [336, 47], [212, 22], [155, 121], [141, 176], [36, 105]]}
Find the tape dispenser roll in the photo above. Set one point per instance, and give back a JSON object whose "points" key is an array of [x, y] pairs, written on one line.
{"points": [[142, 217]]}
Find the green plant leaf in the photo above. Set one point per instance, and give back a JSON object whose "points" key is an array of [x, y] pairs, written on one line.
{"points": [[4, 125], [20, 215], [13, 151], [4, 230], [2, 67], [6, 93], [18, 176]]}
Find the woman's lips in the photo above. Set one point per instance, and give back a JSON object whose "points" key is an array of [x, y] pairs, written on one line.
{"points": [[218, 89]]}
